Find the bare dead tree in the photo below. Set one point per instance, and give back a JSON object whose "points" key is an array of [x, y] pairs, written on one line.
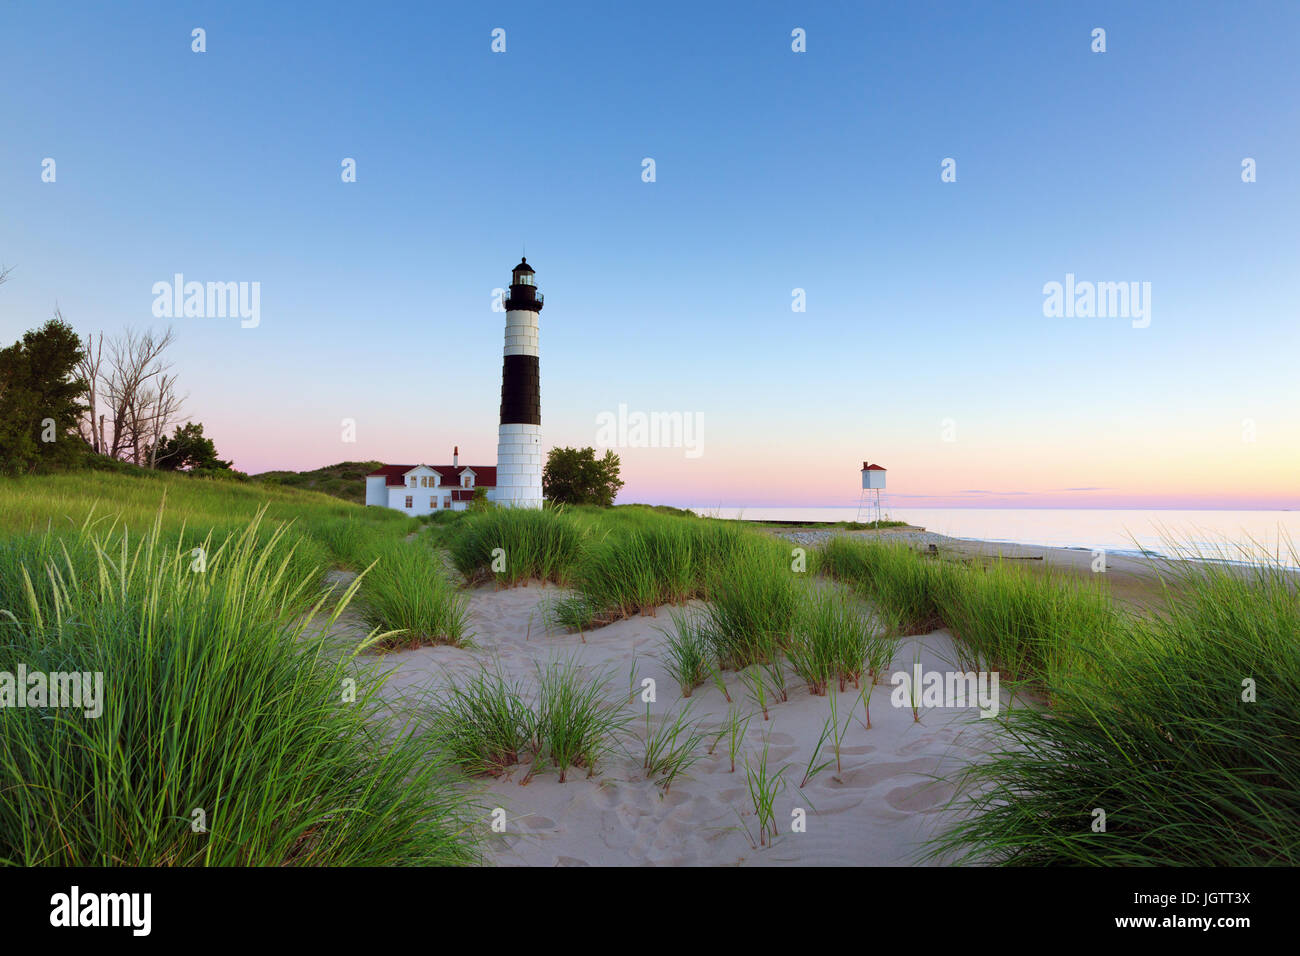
{"points": [[138, 394], [91, 426], [164, 409]]}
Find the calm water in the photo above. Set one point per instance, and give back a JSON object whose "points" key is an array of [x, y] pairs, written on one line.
{"points": [[1122, 531]]}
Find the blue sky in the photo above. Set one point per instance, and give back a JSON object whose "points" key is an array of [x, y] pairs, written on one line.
{"points": [[775, 170]]}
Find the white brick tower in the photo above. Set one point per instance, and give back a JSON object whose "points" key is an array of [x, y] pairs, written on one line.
{"points": [[519, 442]]}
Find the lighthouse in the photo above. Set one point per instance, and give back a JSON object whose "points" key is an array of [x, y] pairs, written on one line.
{"points": [[519, 441]]}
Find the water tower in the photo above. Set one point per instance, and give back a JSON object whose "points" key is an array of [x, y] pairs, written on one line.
{"points": [[873, 482]]}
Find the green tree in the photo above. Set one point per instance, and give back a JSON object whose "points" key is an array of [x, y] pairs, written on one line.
{"points": [[188, 450], [40, 394], [576, 476]]}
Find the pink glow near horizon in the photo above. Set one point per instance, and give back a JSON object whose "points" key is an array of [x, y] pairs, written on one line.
{"points": [[664, 476]]}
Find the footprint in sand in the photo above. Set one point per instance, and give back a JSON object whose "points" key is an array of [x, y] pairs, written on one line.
{"points": [[924, 795], [839, 801], [672, 799], [868, 775], [858, 751], [535, 823]]}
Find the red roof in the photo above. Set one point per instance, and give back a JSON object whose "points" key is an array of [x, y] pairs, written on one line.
{"points": [[866, 467], [485, 476]]}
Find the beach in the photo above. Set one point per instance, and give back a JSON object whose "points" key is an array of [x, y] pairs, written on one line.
{"points": [[889, 794], [878, 809]]}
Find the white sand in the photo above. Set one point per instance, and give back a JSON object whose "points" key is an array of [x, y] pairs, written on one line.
{"points": [[877, 811]]}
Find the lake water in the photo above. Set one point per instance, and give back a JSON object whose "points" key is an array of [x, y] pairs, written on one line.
{"points": [[1247, 534]]}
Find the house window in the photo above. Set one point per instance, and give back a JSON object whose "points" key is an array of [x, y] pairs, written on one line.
{"points": [[465, 481], [409, 500], [433, 501]]}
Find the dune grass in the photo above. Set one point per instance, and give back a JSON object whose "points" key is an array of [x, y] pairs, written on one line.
{"points": [[228, 735], [575, 725], [1030, 626], [836, 639], [753, 599], [407, 594], [764, 787], [351, 542], [890, 575], [484, 723], [673, 748], [525, 544], [487, 724], [687, 656], [652, 561], [61, 503], [1186, 736]]}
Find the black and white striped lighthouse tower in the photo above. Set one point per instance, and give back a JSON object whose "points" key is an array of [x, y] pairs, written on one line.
{"points": [[519, 442]]}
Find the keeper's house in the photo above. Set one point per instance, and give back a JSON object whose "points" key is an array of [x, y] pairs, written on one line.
{"points": [[424, 489]]}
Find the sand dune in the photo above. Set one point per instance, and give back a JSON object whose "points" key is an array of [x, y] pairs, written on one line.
{"points": [[877, 810]]}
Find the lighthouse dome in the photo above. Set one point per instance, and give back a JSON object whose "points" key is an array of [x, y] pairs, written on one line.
{"points": [[523, 268]]}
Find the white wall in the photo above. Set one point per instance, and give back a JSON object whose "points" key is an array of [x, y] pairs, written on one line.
{"points": [[375, 491], [519, 466], [420, 499], [521, 332], [873, 479]]}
